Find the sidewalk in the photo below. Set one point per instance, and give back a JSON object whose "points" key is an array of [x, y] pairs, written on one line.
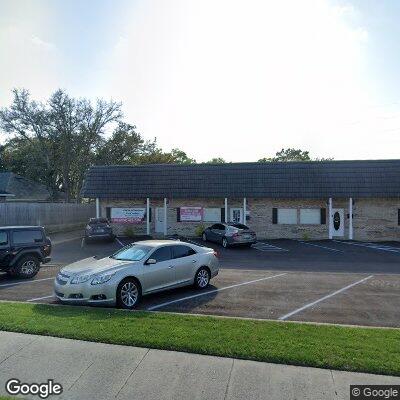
{"points": [[100, 371]]}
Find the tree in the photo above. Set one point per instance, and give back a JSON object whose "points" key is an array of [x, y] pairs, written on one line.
{"points": [[29, 121], [157, 156], [23, 157], [292, 155], [216, 160], [60, 136], [288, 155], [55, 142], [124, 147]]}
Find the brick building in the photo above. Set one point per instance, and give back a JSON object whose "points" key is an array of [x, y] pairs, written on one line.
{"points": [[357, 200]]}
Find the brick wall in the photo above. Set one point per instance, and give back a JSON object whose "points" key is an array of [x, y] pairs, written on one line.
{"points": [[374, 219]]}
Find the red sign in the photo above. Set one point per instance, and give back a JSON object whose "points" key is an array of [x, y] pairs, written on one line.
{"points": [[191, 214]]}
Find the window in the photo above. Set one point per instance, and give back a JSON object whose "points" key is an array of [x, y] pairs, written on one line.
{"points": [[310, 216], [3, 238], [212, 215], [182, 251], [218, 227], [24, 237], [287, 216], [239, 226], [162, 254], [132, 253]]}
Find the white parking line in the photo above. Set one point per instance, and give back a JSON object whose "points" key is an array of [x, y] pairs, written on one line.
{"points": [[25, 282], [119, 242], [41, 298], [374, 246], [267, 247], [211, 291], [320, 246], [286, 316]]}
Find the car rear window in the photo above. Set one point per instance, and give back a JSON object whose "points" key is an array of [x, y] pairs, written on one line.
{"points": [[94, 221], [182, 251], [240, 226], [27, 236]]}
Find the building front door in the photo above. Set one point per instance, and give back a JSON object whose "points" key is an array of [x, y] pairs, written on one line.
{"points": [[236, 215], [159, 220], [337, 221]]}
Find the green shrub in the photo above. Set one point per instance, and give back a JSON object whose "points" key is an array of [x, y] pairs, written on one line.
{"points": [[129, 231], [306, 236], [199, 230]]}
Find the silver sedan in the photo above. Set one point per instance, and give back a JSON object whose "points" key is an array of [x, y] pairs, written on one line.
{"points": [[138, 269]]}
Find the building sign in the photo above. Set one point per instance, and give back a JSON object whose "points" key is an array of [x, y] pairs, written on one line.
{"points": [[127, 215], [191, 214]]}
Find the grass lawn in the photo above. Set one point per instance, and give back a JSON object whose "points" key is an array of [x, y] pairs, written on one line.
{"points": [[9, 398], [338, 347]]}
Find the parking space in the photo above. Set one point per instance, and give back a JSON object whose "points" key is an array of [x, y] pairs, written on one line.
{"points": [[312, 256], [318, 281]]}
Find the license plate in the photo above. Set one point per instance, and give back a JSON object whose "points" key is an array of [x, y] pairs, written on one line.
{"points": [[100, 230], [247, 236]]}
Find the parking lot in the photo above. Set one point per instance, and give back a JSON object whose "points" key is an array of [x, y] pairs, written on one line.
{"points": [[317, 281]]}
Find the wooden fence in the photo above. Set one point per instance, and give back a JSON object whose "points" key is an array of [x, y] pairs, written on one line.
{"points": [[45, 214]]}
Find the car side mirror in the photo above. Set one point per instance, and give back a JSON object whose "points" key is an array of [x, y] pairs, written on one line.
{"points": [[151, 261]]}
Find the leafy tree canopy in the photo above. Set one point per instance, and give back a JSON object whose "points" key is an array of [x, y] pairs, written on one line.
{"points": [[291, 154], [216, 160], [55, 142]]}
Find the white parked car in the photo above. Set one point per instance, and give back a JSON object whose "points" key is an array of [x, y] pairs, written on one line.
{"points": [[138, 269]]}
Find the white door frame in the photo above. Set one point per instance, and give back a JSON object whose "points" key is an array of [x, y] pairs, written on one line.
{"points": [[236, 209], [159, 220], [340, 231]]}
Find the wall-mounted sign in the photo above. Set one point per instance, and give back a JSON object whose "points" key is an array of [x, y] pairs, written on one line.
{"points": [[191, 214], [127, 215]]}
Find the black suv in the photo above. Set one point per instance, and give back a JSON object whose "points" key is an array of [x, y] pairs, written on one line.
{"points": [[23, 249]]}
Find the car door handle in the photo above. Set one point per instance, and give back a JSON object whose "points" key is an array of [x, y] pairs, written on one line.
{"points": [[194, 261], [170, 266]]}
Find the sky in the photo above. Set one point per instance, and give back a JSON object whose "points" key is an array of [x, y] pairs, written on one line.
{"points": [[237, 79]]}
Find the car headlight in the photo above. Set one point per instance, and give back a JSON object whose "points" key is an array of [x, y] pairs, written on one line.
{"points": [[80, 279], [103, 278]]}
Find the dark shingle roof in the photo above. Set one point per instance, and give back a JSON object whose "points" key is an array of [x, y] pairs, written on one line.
{"points": [[319, 179], [22, 188], [4, 180]]}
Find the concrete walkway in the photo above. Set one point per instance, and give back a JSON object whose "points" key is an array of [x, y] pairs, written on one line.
{"points": [[100, 371]]}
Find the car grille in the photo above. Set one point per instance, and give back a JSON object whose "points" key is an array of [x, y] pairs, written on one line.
{"points": [[62, 279]]}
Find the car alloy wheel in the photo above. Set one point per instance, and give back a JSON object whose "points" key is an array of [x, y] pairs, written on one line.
{"points": [[129, 294], [204, 236], [202, 278], [28, 267], [224, 243]]}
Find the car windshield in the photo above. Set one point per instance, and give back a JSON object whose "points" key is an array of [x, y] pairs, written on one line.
{"points": [[240, 226], [131, 253]]}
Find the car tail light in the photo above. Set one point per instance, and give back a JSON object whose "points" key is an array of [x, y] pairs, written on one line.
{"points": [[47, 248], [215, 254]]}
